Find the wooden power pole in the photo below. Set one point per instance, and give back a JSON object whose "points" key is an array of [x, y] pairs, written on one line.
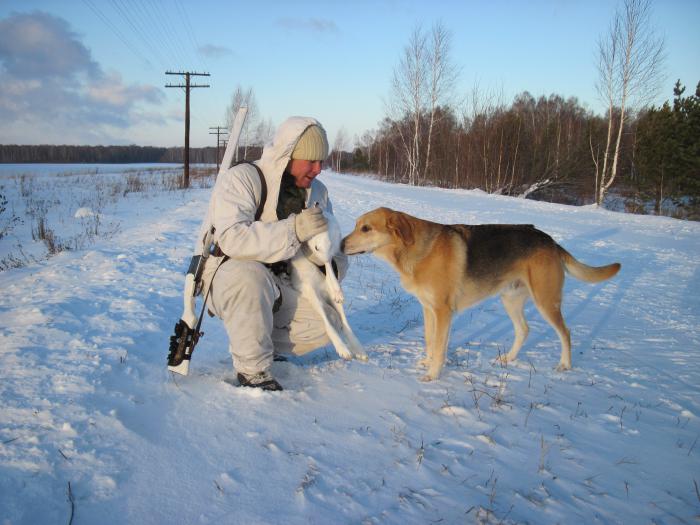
{"points": [[218, 132], [187, 86]]}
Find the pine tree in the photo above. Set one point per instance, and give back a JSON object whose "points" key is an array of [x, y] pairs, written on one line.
{"points": [[687, 119], [668, 153], [657, 155]]}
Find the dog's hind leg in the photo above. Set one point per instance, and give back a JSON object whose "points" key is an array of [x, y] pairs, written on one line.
{"points": [[546, 291], [318, 305], [552, 315], [514, 303], [353, 343]]}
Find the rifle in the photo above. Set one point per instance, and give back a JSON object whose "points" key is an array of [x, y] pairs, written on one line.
{"points": [[187, 328]]}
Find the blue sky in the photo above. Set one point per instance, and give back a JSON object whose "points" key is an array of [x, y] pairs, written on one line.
{"points": [[93, 71]]}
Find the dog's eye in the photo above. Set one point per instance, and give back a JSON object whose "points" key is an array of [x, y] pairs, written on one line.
{"points": [[365, 229]]}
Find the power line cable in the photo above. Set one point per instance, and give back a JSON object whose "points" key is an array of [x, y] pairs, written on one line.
{"points": [[137, 31], [143, 18], [118, 33], [173, 34], [152, 22], [191, 34], [156, 14], [149, 26]]}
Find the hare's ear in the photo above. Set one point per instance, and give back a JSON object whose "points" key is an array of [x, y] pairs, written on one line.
{"points": [[400, 226]]}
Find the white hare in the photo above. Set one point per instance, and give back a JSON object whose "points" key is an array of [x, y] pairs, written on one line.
{"points": [[324, 292]]}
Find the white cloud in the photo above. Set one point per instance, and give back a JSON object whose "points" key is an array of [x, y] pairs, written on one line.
{"points": [[319, 25], [214, 51], [40, 45], [110, 89], [49, 75]]}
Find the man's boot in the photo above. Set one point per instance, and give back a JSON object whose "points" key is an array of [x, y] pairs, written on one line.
{"points": [[262, 380]]}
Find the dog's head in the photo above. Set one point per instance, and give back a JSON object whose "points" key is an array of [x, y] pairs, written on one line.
{"points": [[377, 229], [326, 244]]}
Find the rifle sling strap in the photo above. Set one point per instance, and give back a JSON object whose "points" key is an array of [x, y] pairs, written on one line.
{"points": [[216, 252]]}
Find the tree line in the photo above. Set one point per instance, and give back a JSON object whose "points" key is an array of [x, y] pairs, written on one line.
{"points": [[10, 153], [547, 148]]}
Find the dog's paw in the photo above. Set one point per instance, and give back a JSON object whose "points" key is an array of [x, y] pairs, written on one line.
{"points": [[357, 350], [562, 367], [432, 374], [361, 356], [502, 360], [344, 353]]}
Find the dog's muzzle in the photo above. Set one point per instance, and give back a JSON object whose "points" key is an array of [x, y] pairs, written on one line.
{"points": [[342, 249]]}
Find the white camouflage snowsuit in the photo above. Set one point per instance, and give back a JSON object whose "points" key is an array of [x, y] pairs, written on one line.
{"points": [[244, 290]]}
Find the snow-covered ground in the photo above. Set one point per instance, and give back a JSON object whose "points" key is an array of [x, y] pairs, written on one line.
{"points": [[94, 429]]}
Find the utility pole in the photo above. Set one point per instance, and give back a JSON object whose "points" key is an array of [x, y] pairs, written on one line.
{"points": [[187, 86], [219, 131]]}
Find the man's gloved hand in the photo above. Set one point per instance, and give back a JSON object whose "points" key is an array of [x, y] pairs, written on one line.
{"points": [[310, 222]]}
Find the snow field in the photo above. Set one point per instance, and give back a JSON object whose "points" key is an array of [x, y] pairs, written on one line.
{"points": [[86, 397]]}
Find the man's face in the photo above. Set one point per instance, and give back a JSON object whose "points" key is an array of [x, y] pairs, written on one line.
{"points": [[304, 171]]}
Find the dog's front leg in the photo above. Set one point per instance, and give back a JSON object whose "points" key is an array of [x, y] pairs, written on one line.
{"points": [[438, 346], [334, 289], [429, 330], [355, 346], [318, 304]]}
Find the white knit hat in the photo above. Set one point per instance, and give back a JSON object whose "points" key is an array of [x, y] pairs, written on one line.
{"points": [[312, 144]]}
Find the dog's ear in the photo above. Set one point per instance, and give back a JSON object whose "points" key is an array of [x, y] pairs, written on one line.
{"points": [[399, 225]]}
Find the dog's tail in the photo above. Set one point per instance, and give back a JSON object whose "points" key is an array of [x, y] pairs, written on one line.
{"points": [[590, 274]]}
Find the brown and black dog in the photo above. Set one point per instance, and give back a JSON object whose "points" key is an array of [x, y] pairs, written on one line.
{"points": [[452, 267]]}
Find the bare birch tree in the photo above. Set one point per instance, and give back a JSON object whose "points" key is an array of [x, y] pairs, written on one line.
{"points": [[339, 145], [484, 106], [365, 143], [408, 87], [443, 76], [630, 58], [245, 98], [263, 132], [423, 80]]}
